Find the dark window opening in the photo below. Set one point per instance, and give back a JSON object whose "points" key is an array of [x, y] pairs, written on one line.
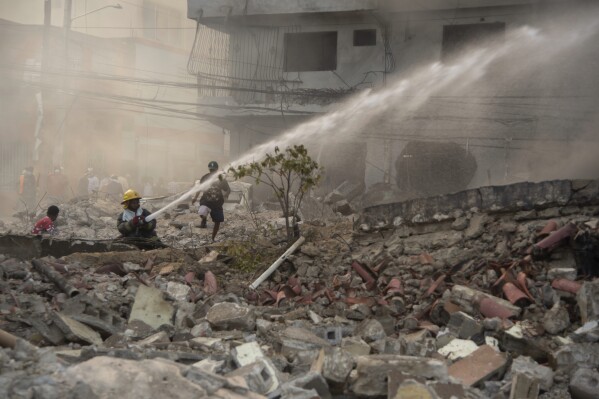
{"points": [[459, 38], [312, 51], [365, 37]]}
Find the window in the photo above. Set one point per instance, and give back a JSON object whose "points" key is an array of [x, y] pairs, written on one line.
{"points": [[458, 38], [312, 51], [365, 37], [162, 24]]}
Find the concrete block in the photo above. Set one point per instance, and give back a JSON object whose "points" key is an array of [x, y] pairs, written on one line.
{"points": [[584, 384], [371, 375], [228, 315], [258, 376], [464, 325], [247, 353], [527, 366], [151, 308], [481, 365], [333, 334]]}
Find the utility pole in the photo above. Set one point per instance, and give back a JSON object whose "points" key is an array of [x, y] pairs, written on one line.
{"points": [[42, 95], [66, 23]]}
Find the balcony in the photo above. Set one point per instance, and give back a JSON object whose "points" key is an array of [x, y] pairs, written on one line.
{"points": [[231, 8]]}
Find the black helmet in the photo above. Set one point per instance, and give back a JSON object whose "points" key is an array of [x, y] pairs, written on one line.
{"points": [[212, 165]]}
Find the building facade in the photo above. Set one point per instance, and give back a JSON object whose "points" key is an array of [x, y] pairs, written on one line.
{"points": [[111, 93], [277, 64]]}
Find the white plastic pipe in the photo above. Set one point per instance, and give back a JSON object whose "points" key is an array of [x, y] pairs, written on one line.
{"points": [[275, 265]]}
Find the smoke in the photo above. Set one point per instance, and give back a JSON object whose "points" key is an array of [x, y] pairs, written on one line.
{"points": [[521, 105]]}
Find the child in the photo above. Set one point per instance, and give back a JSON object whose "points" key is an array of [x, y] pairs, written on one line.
{"points": [[46, 224]]}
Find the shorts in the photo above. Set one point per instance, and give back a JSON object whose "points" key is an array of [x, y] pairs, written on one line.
{"points": [[217, 215]]}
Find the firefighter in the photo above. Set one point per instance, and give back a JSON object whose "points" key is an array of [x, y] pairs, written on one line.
{"points": [[132, 221]]}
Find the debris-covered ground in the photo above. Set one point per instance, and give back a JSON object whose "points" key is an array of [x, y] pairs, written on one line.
{"points": [[480, 304]]}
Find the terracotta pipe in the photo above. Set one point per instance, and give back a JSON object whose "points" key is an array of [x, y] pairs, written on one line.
{"points": [[550, 227], [489, 308], [514, 294], [563, 284], [554, 239], [367, 277], [523, 285]]}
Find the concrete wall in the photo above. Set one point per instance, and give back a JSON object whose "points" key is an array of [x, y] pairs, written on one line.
{"points": [[494, 199]]}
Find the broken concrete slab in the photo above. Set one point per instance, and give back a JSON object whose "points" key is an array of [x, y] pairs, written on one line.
{"points": [[150, 308], [75, 331], [458, 348], [525, 365], [588, 301], [228, 315], [294, 339], [567, 357], [556, 319], [355, 345], [524, 387], [589, 332], [584, 384], [370, 330], [178, 291], [370, 378], [481, 365], [113, 377], [308, 381], [337, 366]]}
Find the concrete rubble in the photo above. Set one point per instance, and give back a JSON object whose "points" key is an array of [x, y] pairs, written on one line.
{"points": [[487, 293]]}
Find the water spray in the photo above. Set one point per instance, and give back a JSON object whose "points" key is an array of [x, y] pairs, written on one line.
{"points": [[409, 95]]}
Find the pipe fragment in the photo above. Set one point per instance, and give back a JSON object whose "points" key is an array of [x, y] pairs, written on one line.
{"points": [[277, 263], [7, 340], [55, 277]]}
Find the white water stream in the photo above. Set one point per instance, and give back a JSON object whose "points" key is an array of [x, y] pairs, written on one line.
{"points": [[525, 50]]}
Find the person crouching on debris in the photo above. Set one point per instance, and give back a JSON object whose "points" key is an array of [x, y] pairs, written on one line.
{"points": [[132, 222], [213, 198], [46, 224]]}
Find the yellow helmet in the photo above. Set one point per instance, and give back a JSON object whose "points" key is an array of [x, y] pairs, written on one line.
{"points": [[130, 195]]}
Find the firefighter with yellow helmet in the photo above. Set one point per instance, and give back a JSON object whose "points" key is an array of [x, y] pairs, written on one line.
{"points": [[132, 221]]}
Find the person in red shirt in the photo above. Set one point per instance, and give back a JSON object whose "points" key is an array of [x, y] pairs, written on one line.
{"points": [[46, 224]]}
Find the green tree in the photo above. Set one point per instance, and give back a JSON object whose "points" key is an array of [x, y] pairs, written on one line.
{"points": [[290, 174]]}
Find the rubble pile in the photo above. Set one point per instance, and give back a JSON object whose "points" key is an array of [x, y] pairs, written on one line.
{"points": [[482, 302]]}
